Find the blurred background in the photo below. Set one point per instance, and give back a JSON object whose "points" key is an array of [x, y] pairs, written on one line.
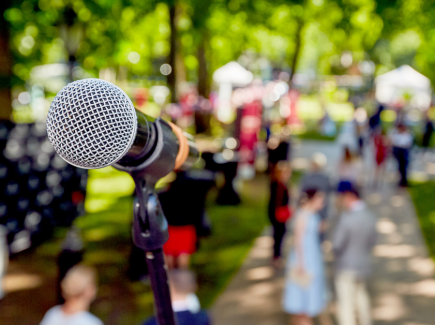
{"points": [[256, 82]]}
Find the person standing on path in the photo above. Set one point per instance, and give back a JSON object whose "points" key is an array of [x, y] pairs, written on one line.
{"points": [[317, 179], [381, 148], [428, 131], [375, 119], [401, 141], [350, 168], [353, 242], [305, 294], [279, 210]]}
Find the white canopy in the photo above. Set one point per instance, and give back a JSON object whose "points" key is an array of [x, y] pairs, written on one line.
{"points": [[233, 73], [393, 85], [55, 76]]}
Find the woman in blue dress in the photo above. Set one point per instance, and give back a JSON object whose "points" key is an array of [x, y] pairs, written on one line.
{"points": [[305, 290]]}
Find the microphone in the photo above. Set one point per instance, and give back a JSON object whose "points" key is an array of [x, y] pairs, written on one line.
{"points": [[92, 124]]}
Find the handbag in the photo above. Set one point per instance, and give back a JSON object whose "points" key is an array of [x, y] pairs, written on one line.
{"points": [[282, 214], [302, 279]]}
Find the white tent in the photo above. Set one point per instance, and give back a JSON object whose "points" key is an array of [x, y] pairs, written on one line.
{"points": [[393, 85], [233, 73], [227, 76], [53, 77]]}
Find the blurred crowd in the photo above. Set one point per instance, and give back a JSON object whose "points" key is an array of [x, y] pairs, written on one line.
{"points": [[326, 208], [251, 80], [349, 226], [308, 215]]}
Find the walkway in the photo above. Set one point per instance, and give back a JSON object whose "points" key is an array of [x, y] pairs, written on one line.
{"points": [[402, 287]]}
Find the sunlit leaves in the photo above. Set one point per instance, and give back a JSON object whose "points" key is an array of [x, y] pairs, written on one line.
{"points": [[390, 32], [405, 43]]}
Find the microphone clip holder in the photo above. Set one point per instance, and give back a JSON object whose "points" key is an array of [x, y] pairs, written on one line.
{"points": [[150, 228]]}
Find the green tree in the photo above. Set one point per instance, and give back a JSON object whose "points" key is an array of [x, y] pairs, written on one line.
{"points": [[5, 65]]}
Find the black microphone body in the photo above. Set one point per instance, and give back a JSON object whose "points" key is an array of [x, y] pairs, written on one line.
{"points": [[92, 124]]}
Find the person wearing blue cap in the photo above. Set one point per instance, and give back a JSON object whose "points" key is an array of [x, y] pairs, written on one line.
{"points": [[353, 241]]}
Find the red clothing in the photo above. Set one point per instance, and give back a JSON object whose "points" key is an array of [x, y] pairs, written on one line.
{"points": [[182, 240], [380, 149]]}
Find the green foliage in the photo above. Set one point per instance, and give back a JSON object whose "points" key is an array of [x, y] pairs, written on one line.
{"points": [[422, 195], [389, 32]]}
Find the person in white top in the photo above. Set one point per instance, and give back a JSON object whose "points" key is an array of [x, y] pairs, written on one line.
{"points": [[79, 288], [401, 141]]}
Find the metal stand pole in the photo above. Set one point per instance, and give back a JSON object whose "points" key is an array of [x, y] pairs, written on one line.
{"points": [[159, 283], [150, 233], [150, 228]]}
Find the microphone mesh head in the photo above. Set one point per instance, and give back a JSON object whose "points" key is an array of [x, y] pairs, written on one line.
{"points": [[91, 123]]}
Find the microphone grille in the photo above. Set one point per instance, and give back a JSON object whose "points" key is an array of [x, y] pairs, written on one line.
{"points": [[91, 123]]}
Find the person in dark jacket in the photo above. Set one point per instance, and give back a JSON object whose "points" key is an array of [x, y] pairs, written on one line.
{"points": [[402, 141], [279, 198], [184, 207], [184, 302], [375, 119], [428, 131]]}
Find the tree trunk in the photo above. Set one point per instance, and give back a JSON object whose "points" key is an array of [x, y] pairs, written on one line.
{"points": [[202, 117], [5, 66], [180, 67], [297, 53], [203, 84], [172, 54], [71, 63]]}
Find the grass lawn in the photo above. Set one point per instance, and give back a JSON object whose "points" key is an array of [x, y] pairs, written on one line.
{"points": [[107, 231], [107, 235], [422, 195], [234, 229]]}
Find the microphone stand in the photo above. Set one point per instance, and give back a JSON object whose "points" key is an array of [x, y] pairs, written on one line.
{"points": [[150, 228]]}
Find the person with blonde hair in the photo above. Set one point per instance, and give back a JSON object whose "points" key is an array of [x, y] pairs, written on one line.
{"points": [[79, 289]]}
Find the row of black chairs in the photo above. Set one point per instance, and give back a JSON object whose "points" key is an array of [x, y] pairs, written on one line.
{"points": [[39, 190]]}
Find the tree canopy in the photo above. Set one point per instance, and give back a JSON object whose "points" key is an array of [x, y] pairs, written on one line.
{"points": [[297, 35]]}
